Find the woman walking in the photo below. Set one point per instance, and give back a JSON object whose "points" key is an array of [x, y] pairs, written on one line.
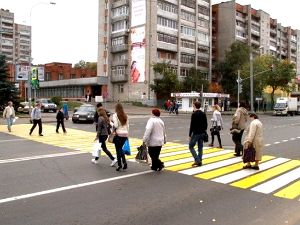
{"points": [[60, 120], [102, 133], [217, 125], [121, 126], [154, 138], [254, 137]]}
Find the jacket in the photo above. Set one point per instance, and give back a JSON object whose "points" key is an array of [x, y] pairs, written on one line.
{"points": [[198, 123], [36, 114], [217, 119], [155, 134], [60, 116], [239, 119], [254, 134], [121, 130], [102, 127], [8, 111]]}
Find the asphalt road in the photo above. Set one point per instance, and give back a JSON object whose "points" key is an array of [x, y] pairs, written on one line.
{"points": [[45, 182]]}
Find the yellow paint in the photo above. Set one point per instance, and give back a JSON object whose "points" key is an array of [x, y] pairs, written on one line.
{"points": [[265, 175], [289, 192]]}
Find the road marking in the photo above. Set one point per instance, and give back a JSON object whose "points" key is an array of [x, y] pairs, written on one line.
{"points": [[71, 187], [14, 140]]}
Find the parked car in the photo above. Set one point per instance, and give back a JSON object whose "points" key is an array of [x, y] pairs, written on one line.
{"points": [[24, 107], [84, 113], [47, 105]]}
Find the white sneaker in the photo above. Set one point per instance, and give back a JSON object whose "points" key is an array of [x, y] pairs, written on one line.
{"points": [[94, 161], [114, 162]]}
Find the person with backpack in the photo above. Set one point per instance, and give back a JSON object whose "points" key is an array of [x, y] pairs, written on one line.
{"points": [[36, 116]]}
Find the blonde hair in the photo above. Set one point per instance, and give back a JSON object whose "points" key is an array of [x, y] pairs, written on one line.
{"points": [[217, 107]]}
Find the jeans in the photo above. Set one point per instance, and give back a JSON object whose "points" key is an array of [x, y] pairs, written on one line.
{"points": [[102, 140], [154, 154], [62, 125], [119, 142], [198, 138], [37, 122], [237, 139], [9, 122]]}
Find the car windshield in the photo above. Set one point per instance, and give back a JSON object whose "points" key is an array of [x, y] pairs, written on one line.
{"points": [[86, 109], [46, 101]]}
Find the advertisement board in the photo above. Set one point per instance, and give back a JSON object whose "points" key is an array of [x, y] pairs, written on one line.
{"points": [[138, 15], [21, 72]]}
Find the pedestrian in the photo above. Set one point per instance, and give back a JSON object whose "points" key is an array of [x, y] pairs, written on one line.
{"points": [[254, 137], [154, 138], [176, 107], [60, 120], [265, 107], [165, 106], [197, 131], [66, 111], [36, 116], [239, 120], [217, 125], [169, 103], [96, 115], [9, 115], [102, 134], [172, 107], [121, 130]]}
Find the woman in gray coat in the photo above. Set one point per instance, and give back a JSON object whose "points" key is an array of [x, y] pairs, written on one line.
{"points": [[155, 138]]}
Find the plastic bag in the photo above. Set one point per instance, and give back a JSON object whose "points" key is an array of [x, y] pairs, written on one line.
{"points": [[142, 154], [96, 149], [126, 147]]}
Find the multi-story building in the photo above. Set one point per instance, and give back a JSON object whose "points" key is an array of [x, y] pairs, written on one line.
{"points": [[14, 39], [135, 34], [235, 22]]}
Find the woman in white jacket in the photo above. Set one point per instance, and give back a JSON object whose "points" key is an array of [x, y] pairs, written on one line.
{"points": [[121, 126], [217, 125], [155, 138]]}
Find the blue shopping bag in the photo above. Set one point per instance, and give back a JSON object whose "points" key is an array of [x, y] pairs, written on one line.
{"points": [[126, 147]]}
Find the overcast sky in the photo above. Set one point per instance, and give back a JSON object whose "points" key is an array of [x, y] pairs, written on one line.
{"points": [[68, 31]]}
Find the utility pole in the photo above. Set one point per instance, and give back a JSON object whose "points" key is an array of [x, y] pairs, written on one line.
{"points": [[251, 81]]}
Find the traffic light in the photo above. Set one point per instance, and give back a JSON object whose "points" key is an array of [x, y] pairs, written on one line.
{"points": [[34, 78], [241, 88]]}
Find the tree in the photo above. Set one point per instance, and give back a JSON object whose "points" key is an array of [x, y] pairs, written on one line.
{"points": [[166, 81], [227, 69], [86, 65], [8, 91], [194, 81]]}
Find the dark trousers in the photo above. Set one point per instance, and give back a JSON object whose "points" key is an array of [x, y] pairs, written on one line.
{"points": [[154, 154], [237, 139], [119, 142], [102, 140], [213, 138], [35, 122], [62, 125]]}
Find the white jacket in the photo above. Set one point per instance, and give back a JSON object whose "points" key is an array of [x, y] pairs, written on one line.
{"points": [[217, 119], [155, 134], [121, 130]]}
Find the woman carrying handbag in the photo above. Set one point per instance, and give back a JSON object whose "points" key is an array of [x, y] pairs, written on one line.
{"points": [[217, 125], [121, 126]]}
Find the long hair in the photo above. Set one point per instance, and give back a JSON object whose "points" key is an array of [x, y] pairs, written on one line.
{"points": [[121, 114], [101, 112], [217, 107]]}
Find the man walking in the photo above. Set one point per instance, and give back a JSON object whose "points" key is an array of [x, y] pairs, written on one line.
{"points": [[198, 128], [9, 115], [36, 116]]}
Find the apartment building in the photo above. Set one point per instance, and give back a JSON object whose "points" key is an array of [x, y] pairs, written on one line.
{"points": [[265, 35], [14, 39], [135, 34]]}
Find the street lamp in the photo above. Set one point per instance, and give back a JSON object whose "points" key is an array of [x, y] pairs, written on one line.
{"points": [[30, 51]]}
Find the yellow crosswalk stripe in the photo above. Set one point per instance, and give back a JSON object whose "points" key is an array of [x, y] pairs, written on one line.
{"points": [[265, 175], [290, 192], [227, 169]]}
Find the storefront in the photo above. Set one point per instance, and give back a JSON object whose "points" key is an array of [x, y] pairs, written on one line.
{"points": [[185, 100]]}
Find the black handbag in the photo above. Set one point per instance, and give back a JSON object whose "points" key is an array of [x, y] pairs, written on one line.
{"points": [[205, 138], [214, 130], [142, 154], [249, 154]]}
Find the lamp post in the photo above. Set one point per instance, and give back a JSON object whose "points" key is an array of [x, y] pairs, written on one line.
{"points": [[30, 52], [251, 81]]}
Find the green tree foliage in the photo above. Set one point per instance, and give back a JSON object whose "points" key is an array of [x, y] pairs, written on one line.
{"points": [[86, 65], [8, 91], [194, 81], [165, 82], [56, 99], [227, 69]]}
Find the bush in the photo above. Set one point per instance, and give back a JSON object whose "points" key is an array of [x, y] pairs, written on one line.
{"points": [[56, 99]]}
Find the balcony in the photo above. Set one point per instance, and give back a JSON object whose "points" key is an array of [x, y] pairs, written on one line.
{"points": [[120, 3], [120, 18], [167, 46], [273, 31], [120, 33], [123, 62], [119, 48], [119, 78]]}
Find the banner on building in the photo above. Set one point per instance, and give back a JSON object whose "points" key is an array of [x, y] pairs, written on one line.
{"points": [[21, 72], [138, 52], [138, 12]]}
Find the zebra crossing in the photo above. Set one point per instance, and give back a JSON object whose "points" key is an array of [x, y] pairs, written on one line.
{"points": [[277, 176]]}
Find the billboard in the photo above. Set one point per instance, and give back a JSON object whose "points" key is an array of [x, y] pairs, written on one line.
{"points": [[138, 12], [21, 72], [138, 53]]}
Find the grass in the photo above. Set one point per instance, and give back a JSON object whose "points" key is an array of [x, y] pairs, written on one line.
{"points": [[71, 105]]}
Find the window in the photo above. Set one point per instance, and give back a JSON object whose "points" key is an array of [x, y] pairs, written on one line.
{"points": [[72, 76], [187, 59], [167, 23], [240, 34], [184, 72], [188, 31], [118, 41], [48, 77], [120, 11], [118, 70], [165, 6], [121, 88], [189, 3], [203, 23], [187, 16], [166, 38], [121, 57], [60, 76], [187, 44], [168, 56], [158, 55], [120, 25], [83, 76], [204, 11], [203, 36]]}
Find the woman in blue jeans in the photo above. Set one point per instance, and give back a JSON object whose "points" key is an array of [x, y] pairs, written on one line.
{"points": [[121, 126]]}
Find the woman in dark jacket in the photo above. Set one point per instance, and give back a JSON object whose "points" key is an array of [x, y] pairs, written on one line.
{"points": [[102, 133], [60, 120]]}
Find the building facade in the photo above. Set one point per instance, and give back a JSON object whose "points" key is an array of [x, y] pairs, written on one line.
{"points": [[14, 39], [235, 22], [135, 34]]}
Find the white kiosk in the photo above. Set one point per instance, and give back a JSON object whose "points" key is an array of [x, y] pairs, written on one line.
{"points": [[185, 100]]}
